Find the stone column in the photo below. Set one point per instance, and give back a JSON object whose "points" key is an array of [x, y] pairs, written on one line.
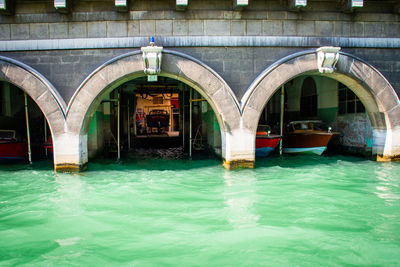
{"points": [[70, 152], [238, 148]]}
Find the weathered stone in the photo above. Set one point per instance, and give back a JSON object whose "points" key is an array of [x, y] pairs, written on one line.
{"points": [[77, 29], [324, 28], [196, 27], [133, 28], [254, 27], [5, 32], [342, 28], [97, 29], [147, 27], [116, 29], [19, 31], [217, 27], [58, 30], [277, 15], [306, 28], [357, 29], [39, 31], [388, 100], [238, 27], [289, 28], [272, 27], [391, 30], [180, 27], [376, 82], [373, 29], [164, 27]]}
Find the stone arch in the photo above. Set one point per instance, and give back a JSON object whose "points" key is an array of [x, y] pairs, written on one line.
{"points": [[129, 66], [375, 92], [38, 88]]}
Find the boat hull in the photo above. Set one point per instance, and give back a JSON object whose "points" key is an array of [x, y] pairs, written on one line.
{"points": [[305, 150], [14, 150], [306, 143], [158, 120], [266, 144]]}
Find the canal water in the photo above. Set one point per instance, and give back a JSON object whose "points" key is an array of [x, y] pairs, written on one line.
{"points": [[288, 211]]}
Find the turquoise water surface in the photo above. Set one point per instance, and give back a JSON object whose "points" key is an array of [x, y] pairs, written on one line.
{"points": [[289, 211]]}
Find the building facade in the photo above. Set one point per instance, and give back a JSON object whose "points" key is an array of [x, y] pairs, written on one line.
{"points": [[70, 56]]}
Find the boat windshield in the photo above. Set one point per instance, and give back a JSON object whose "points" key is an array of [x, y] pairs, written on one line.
{"points": [[7, 135], [263, 128], [158, 111], [308, 125]]}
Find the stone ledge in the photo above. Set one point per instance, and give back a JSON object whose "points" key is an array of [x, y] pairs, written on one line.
{"points": [[198, 41]]}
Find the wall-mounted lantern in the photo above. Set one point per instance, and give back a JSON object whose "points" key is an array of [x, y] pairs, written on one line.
{"points": [[122, 5], [181, 4], [350, 5], [62, 6], [327, 57], [152, 56], [7, 7], [240, 4], [297, 4]]}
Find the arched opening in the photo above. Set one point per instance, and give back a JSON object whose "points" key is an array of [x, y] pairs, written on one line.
{"points": [[44, 105], [162, 119], [125, 73], [24, 133], [333, 105], [353, 84]]}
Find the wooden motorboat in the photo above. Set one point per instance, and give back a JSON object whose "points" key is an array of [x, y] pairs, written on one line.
{"points": [[309, 137], [158, 118], [10, 148], [265, 141]]}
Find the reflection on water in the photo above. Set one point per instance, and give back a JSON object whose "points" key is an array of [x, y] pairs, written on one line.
{"points": [[388, 187], [307, 211], [240, 195]]}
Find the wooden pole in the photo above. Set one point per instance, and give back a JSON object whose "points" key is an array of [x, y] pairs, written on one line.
{"points": [[28, 136], [45, 133], [129, 128], [183, 115], [119, 125], [282, 111], [190, 121]]}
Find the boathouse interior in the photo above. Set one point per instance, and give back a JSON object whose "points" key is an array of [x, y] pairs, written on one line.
{"points": [[315, 97], [13, 116], [123, 119]]}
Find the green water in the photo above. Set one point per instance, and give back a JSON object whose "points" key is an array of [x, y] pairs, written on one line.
{"points": [[291, 211]]}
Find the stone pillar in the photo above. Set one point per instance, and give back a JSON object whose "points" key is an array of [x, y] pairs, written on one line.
{"points": [[238, 148], [70, 152]]}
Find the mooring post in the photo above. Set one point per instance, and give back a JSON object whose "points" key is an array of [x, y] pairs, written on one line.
{"points": [[129, 128], [190, 121], [281, 122], [45, 134], [183, 115], [118, 125], [28, 136]]}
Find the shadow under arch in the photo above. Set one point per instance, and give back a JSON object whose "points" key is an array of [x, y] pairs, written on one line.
{"points": [[129, 66], [373, 89], [38, 88]]}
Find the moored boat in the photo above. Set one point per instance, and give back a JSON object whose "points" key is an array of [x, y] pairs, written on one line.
{"points": [[307, 137], [158, 118], [265, 141], [10, 148]]}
